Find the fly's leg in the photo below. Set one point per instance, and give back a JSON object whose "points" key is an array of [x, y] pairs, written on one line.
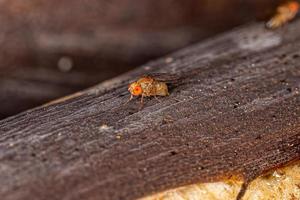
{"points": [[141, 103], [131, 97]]}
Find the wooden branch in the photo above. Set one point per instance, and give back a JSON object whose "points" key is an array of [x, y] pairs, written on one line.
{"points": [[235, 111], [111, 36]]}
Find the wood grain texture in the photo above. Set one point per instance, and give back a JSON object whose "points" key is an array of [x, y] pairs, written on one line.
{"points": [[234, 111], [107, 36]]}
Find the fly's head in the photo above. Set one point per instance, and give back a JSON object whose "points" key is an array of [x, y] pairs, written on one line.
{"points": [[135, 89]]}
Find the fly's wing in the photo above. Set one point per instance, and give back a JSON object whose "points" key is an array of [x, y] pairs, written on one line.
{"points": [[165, 77]]}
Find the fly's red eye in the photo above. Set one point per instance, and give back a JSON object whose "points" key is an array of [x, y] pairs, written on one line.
{"points": [[137, 90]]}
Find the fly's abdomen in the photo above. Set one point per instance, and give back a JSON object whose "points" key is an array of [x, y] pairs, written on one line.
{"points": [[161, 89]]}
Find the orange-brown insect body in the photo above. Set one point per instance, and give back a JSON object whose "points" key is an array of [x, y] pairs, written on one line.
{"points": [[147, 86], [285, 13]]}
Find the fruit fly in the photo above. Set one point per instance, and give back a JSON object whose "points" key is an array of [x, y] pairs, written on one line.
{"points": [[147, 86], [285, 12]]}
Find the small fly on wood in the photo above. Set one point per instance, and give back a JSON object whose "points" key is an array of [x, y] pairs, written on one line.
{"points": [[150, 85], [285, 13]]}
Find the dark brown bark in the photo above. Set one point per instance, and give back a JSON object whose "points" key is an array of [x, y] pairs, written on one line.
{"points": [[234, 110], [102, 38]]}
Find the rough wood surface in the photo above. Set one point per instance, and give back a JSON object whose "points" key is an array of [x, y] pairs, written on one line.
{"points": [[101, 38], [234, 111]]}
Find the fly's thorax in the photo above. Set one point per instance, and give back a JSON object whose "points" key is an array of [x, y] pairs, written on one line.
{"points": [[148, 88]]}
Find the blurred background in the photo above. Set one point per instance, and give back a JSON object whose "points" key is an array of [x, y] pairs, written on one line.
{"points": [[53, 48]]}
